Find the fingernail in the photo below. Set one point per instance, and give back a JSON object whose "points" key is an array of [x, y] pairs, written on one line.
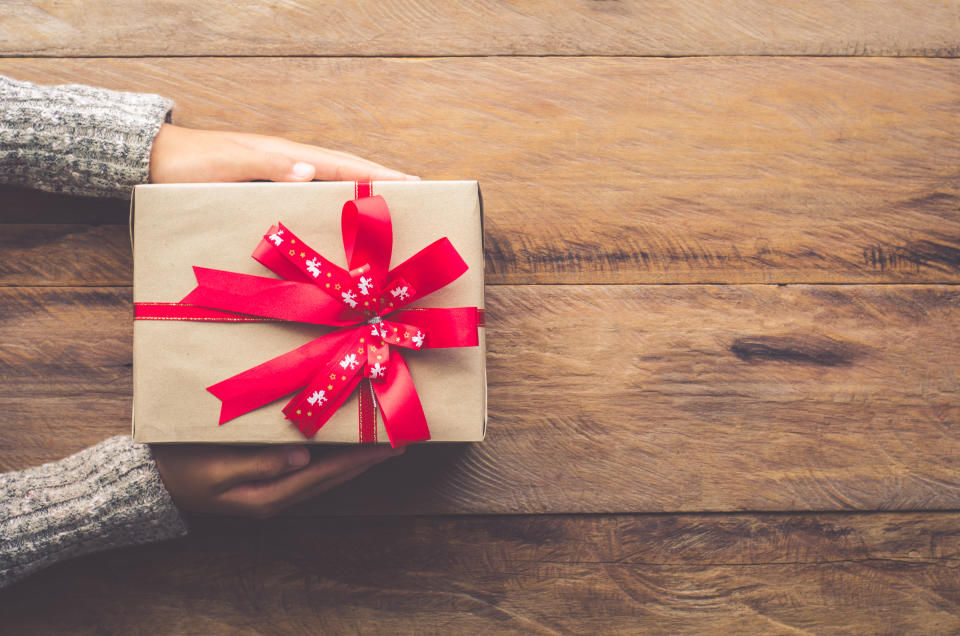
{"points": [[411, 177], [303, 170], [298, 457]]}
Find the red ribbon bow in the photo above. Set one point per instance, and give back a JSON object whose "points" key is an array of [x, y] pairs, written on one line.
{"points": [[365, 350]]}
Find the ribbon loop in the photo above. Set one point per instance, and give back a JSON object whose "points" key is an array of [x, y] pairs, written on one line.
{"points": [[378, 357], [399, 334], [454, 327], [435, 266], [363, 291], [398, 294], [367, 234]]}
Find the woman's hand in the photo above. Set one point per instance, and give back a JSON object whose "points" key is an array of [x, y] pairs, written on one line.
{"points": [[257, 481], [186, 155], [244, 480]]}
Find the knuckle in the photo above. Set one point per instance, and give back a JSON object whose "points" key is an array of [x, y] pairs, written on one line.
{"points": [[283, 162], [268, 466]]}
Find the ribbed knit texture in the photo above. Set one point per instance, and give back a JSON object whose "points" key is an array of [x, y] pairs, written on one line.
{"points": [[105, 496], [95, 142], [77, 139]]}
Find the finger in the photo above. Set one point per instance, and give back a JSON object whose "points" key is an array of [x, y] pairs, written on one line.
{"points": [[247, 164], [283, 146], [335, 168], [319, 154], [237, 465], [337, 467], [324, 486], [330, 165], [261, 500], [321, 469]]}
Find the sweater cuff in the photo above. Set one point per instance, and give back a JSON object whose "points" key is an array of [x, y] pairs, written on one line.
{"points": [[106, 496], [77, 139]]}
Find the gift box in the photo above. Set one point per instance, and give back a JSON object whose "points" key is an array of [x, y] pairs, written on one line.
{"points": [[257, 304]]}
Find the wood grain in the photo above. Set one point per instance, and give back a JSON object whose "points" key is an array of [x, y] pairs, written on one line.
{"points": [[599, 170], [74, 255], [21, 205], [493, 27], [602, 399], [771, 574]]}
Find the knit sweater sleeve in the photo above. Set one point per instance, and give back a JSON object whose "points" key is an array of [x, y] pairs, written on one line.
{"points": [[94, 142], [106, 496], [77, 139]]}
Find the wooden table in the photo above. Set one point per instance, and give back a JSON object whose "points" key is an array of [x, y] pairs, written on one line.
{"points": [[723, 249]]}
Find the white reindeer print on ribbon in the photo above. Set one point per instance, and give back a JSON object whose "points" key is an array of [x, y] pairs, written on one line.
{"points": [[418, 339], [349, 361]]}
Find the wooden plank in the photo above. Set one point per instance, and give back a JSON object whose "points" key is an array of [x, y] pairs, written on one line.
{"points": [[21, 205], [602, 399], [74, 255], [498, 27], [599, 170], [771, 574]]}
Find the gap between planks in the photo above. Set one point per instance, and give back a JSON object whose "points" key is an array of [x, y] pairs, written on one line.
{"points": [[724, 398], [946, 55], [390, 28], [752, 170], [678, 574]]}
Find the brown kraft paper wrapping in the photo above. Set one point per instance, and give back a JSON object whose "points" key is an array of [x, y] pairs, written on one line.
{"points": [[218, 226]]}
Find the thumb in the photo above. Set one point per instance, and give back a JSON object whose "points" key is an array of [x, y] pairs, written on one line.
{"points": [[253, 164], [257, 464]]}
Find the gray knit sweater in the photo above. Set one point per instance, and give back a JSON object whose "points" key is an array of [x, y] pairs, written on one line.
{"points": [[92, 142]]}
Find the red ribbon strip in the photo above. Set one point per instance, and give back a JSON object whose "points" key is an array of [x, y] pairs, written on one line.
{"points": [[364, 351]]}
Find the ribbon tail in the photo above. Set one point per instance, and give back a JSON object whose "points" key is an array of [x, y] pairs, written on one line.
{"points": [[268, 297], [329, 388], [274, 378], [400, 405], [290, 257], [311, 421]]}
